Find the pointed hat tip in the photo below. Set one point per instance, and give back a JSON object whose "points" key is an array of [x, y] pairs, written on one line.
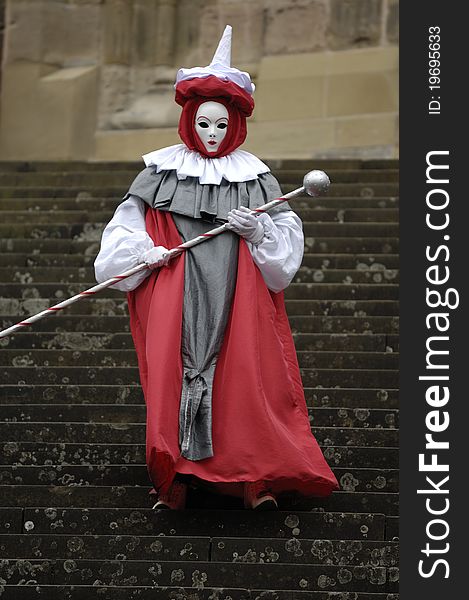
{"points": [[222, 54]]}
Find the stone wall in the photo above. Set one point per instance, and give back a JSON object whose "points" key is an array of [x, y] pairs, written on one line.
{"points": [[2, 28], [94, 78]]}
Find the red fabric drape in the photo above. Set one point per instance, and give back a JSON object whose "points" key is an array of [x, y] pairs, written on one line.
{"points": [[260, 424], [211, 87]]}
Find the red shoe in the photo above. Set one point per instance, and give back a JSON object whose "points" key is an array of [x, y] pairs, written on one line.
{"points": [[174, 499], [258, 496]]}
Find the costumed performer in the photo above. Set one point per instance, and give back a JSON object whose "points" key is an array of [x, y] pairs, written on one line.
{"points": [[218, 367]]}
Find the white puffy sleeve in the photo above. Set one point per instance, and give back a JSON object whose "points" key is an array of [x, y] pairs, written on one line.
{"points": [[280, 252], [123, 242]]}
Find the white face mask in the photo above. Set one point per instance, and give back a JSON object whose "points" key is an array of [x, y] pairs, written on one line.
{"points": [[211, 124]]}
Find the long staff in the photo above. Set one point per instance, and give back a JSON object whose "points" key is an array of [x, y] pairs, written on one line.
{"points": [[314, 184]]}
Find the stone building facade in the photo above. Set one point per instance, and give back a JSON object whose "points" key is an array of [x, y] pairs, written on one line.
{"points": [[93, 79]]}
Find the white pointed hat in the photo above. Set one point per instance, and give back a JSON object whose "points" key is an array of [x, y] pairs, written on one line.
{"points": [[219, 67]]}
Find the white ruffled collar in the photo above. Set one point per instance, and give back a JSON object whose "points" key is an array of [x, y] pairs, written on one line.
{"points": [[237, 166]]}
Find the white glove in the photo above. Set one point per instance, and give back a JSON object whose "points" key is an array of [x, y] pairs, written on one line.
{"points": [[156, 257], [245, 224]]}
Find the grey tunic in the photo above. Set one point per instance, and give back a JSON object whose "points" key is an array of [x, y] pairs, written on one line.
{"points": [[209, 282], [203, 201]]}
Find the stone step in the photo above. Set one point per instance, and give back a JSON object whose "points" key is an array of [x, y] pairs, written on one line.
{"points": [[353, 230], [17, 166], [92, 179], [311, 324], [392, 528], [106, 307], [295, 291], [305, 274], [122, 395], [45, 217], [367, 458], [350, 480], [307, 215], [84, 275], [295, 168], [164, 548], [128, 358], [128, 433], [46, 453], [305, 203], [323, 163], [96, 592], [27, 339], [70, 375], [351, 244], [347, 215], [136, 165], [90, 246], [57, 246], [304, 323], [357, 189], [136, 413], [88, 231], [361, 274], [132, 497], [392, 343], [359, 378], [348, 360], [199, 574], [84, 179], [296, 550], [350, 261], [365, 190], [84, 202], [301, 551], [352, 397], [17, 358], [92, 231], [226, 523], [318, 261], [24, 260], [11, 520], [338, 175]]}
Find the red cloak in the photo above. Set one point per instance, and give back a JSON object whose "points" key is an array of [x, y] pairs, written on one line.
{"points": [[260, 424]]}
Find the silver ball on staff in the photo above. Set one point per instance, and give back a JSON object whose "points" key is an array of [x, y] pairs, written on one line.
{"points": [[316, 183]]}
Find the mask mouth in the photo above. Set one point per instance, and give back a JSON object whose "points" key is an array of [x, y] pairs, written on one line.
{"points": [[212, 143]]}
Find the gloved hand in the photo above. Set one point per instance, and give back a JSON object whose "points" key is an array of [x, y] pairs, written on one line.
{"points": [[245, 224], [156, 257]]}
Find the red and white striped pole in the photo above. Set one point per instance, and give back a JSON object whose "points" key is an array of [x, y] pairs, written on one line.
{"points": [[314, 183]]}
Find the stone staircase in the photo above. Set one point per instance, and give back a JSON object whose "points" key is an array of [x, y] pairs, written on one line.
{"points": [[76, 519]]}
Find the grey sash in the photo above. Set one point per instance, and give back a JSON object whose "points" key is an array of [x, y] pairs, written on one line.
{"points": [[209, 282]]}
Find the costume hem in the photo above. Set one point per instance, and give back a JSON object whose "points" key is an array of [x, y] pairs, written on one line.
{"points": [[322, 488]]}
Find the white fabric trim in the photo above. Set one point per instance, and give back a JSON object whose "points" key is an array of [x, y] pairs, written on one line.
{"points": [[280, 252], [220, 66], [125, 239], [224, 73], [237, 166]]}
